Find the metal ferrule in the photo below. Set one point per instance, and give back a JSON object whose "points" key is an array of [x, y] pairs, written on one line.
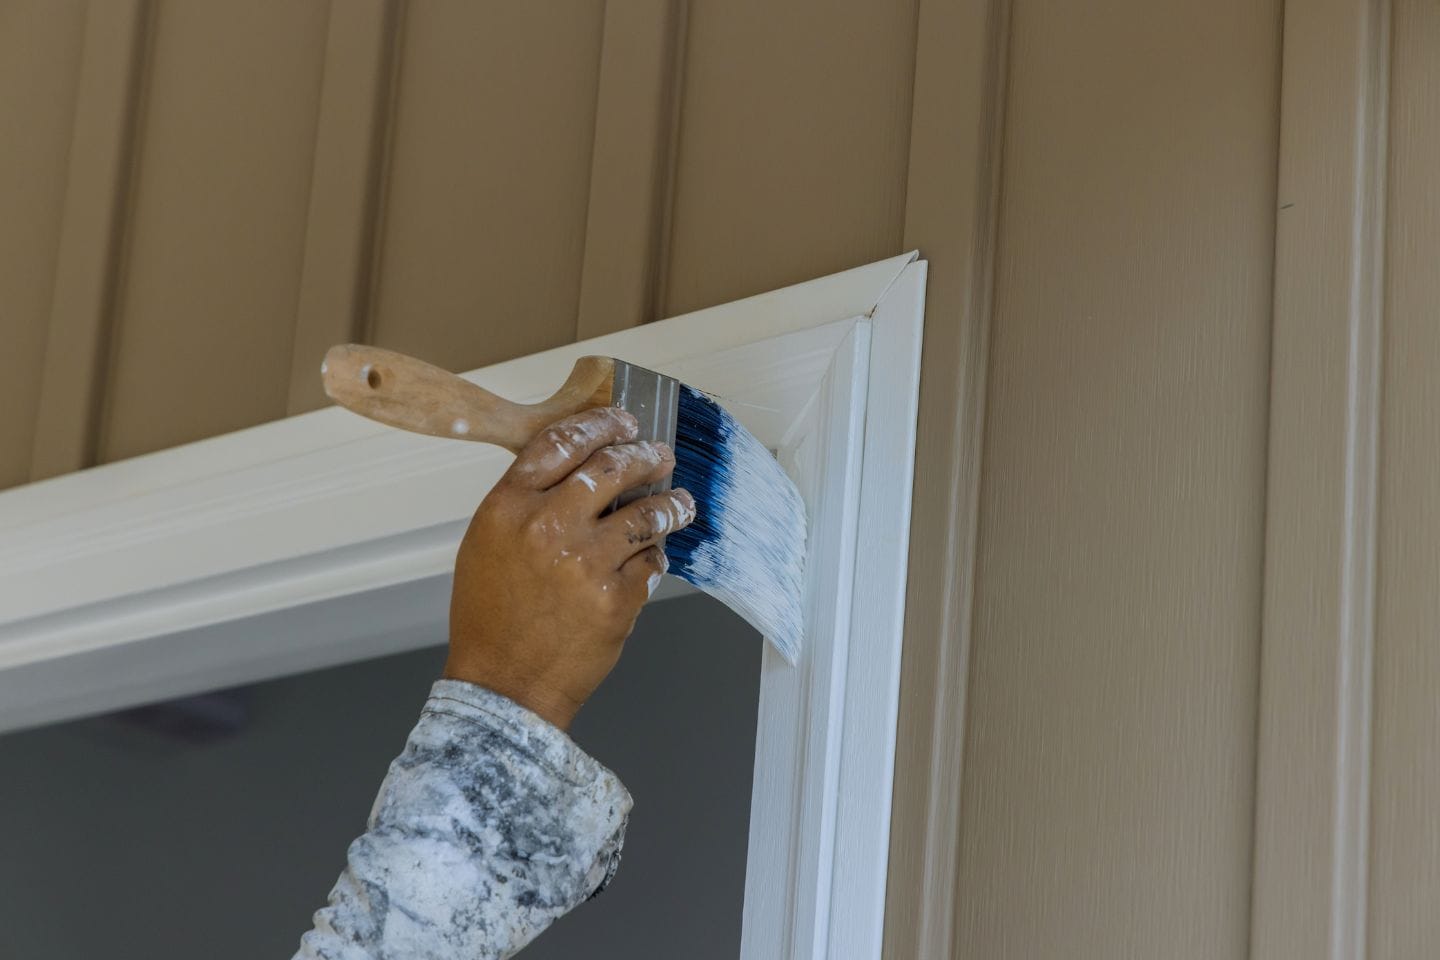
{"points": [[654, 400]]}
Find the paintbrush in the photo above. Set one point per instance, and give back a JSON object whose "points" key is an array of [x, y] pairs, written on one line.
{"points": [[746, 546]]}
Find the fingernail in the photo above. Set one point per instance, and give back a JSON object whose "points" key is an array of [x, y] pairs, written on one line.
{"points": [[628, 421], [662, 449]]}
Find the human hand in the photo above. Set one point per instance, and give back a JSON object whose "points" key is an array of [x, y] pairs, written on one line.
{"points": [[546, 589]]}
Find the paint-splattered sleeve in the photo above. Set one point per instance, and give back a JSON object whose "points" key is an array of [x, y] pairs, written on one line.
{"points": [[490, 825]]}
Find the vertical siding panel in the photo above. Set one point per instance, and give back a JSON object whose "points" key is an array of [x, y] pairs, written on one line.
{"points": [[1405, 792], [1315, 713], [951, 207], [350, 141], [794, 133], [40, 55], [82, 306], [632, 165], [1107, 793], [215, 236], [483, 228]]}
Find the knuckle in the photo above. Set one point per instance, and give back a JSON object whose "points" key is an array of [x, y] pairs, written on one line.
{"points": [[608, 460], [630, 459], [538, 530], [579, 431], [595, 423], [645, 525], [655, 519], [616, 420], [560, 436], [608, 416]]}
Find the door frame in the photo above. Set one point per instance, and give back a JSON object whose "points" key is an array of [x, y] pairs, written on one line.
{"points": [[325, 538]]}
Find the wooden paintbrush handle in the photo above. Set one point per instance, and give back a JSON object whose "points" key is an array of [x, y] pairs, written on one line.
{"points": [[411, 394]]}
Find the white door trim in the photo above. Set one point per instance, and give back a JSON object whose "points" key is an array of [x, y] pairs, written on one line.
{"points": [[324, 538], [825, 750]]}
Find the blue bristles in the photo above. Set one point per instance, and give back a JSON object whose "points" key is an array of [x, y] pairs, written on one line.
{"points": [[746, 546]]}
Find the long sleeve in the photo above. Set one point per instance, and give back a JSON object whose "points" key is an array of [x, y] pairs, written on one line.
{"points": [[489, 825]]}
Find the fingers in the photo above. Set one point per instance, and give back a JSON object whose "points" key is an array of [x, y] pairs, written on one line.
{"points": [[643, 572], [636, 526], [561, 447], [609, 472]]}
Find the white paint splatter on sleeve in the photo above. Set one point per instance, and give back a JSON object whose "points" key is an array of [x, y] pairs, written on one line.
{"points": [[489, 826]]}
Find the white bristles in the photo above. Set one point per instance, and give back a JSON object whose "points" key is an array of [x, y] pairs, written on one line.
{"points": [[746, 547]]}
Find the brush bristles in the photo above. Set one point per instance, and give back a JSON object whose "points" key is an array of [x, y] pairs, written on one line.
{"points": [[747, 545]]}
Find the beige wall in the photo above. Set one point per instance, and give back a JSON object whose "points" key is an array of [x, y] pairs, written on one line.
{"points": [[1107, 792], [1405, 791], [40, 45], [198, 198], [463, 181]]}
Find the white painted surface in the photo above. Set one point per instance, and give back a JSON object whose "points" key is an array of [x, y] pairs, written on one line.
{"points": [[825, 746], [872, 693], [324, 538], [798, 735], [182, 538]]}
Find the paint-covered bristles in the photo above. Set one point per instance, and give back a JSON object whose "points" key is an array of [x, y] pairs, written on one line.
{"points": [[747, 544]]}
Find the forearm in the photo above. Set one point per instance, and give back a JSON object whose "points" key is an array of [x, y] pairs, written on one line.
{"points": [[489, 826]]}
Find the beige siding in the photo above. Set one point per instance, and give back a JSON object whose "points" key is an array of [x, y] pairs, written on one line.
{"points": [[429, 176], [1106, 800], [951, 213], [794, 130], [1313, 742], [40, 49], [1405, 790], [637, 105], [196, 198], [211, 263], [483, 227], [350, 140]]}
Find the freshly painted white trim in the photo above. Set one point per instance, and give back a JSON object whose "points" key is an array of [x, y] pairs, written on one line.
{"points": [[877, 621], [324, 538], [210, 513], [792, 831], [825, 747]]}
